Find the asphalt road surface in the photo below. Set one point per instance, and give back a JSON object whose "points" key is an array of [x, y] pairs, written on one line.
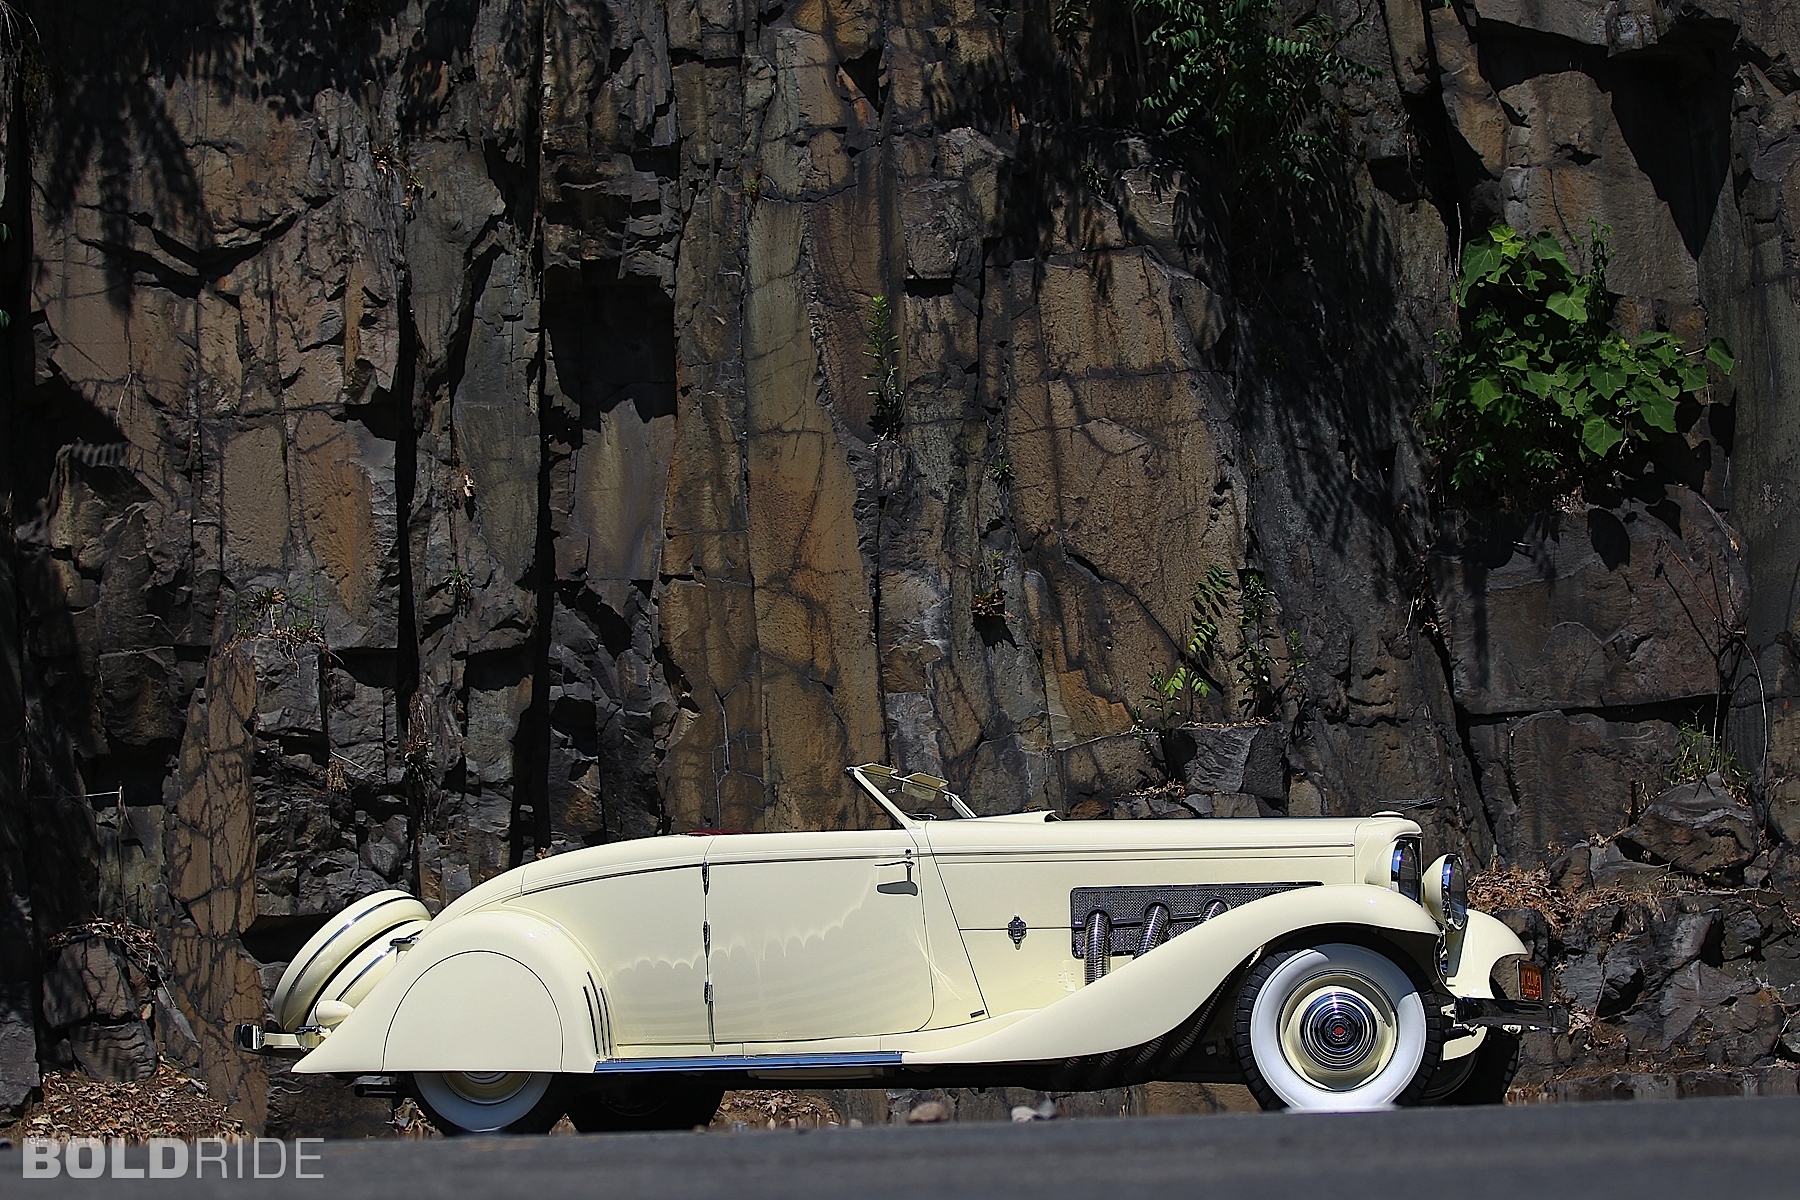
{"points": [[1738, 1148]]}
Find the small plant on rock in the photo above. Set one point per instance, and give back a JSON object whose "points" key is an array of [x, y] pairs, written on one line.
{"points": [[415, 747], [276, 614], [461, 586], [883, 352], [1262, 670], [1173, 695], [1700, 752], [989, 603], [1258, 644], [1537, 388]]}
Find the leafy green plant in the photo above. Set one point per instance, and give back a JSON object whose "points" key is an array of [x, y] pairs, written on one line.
{"points": [[1297, 659], [1173, 694], [883, 352], [1246, 81], [1094, 177], [1069, 19], [1001, 471], [1536, 387], [1255, 665]]}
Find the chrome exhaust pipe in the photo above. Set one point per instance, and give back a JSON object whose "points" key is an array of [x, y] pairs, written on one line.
{"points": [[1156, 927], [1099, 944]]}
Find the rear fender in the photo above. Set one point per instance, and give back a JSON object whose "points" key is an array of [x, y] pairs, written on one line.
{"points": [[1148, 996], [490, 991]]}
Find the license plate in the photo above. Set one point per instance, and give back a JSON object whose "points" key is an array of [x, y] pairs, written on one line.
{"points": [[1531, 981]]}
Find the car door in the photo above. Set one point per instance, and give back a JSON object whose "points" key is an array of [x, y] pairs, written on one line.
{"points": [[815, 935]]}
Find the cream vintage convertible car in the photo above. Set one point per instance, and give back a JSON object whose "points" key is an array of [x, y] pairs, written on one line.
{"points": [[627, 985]]}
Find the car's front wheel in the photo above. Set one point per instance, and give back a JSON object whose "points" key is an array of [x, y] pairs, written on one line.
{"points": [[460, 1102], [1336, 1026]]}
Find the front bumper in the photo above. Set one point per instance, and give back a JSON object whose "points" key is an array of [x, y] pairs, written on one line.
{"points": [[1477, 1012], [254, 1039]]}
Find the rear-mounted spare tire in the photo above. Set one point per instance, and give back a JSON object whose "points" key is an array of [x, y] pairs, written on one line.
{"points": [[342, 938]]}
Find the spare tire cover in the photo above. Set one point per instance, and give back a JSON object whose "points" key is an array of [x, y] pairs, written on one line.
{"points": [[341, 939]]}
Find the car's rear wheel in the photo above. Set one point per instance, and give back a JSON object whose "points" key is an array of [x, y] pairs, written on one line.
{"points": [[645, 1104], [460, 1102], [1336, 1026]]}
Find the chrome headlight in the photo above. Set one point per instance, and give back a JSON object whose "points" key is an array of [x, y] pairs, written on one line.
{"points": [[1406, 867], [1447, 892]]}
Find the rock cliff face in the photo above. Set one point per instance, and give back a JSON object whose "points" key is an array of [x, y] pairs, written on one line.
{"points": [[444, 433]]}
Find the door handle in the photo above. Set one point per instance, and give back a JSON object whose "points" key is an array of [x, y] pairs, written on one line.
{"points": [[908, 888]]}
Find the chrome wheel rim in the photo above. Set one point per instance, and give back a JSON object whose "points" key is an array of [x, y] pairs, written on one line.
{"points": [[1337, 1030], [487, 1087]]}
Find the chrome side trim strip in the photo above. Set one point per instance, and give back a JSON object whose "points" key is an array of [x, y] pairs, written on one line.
{"points": [[749, 1062]]}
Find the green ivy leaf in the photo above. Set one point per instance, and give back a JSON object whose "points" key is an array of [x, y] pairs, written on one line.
{"points": [[1483, 391], [1539, 384], [1482, 263], [1600, 435], [1608, 381], [1719, 355], [1547, 248], [1569, 308], [1657, 410]]}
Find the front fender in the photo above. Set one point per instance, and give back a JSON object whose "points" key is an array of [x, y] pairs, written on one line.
{"points": [[1470, 958], [1149, 996], [1474, 953], [490, 991]]}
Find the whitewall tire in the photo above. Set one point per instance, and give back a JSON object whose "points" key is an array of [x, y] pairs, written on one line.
{"points": [[1335, 1027], [487, 1101]]}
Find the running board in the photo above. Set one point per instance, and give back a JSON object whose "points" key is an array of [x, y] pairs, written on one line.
{"points": [[755, 1064]]}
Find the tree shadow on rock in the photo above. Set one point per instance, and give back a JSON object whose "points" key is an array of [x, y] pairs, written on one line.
{"points": [[129, 89]]}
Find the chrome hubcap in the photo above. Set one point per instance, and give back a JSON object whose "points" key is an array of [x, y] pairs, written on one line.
{"points": [[1338, 1030]]}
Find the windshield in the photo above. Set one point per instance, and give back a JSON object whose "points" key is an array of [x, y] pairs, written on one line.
{"points": [[913, 798]]}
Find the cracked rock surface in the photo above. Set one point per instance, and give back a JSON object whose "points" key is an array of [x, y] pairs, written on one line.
{"points": [[440, 433]]}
